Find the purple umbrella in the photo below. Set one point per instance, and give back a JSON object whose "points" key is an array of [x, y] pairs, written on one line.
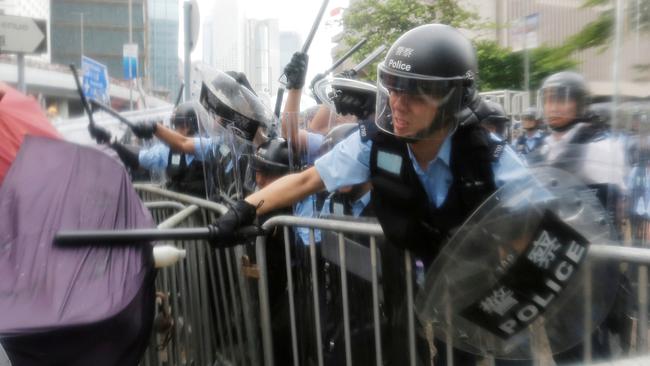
{"points": [[84, 305]]}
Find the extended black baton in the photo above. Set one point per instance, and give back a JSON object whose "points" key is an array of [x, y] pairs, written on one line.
{"points": [[75, 238]]}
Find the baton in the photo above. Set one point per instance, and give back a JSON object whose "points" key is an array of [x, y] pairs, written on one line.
{"points": [[347, 55], [80, 238], [278, 102], [180, 94], [111, 111], [366, 61], [305, 48], [314, 27]]}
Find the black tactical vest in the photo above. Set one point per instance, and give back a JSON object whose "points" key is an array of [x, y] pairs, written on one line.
{"points": [[401, 203], [184, 178]]}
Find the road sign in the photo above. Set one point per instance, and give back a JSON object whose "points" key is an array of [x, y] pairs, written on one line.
{"points": [[524, 33], [130, 61], [95, 79], [22, 35]]}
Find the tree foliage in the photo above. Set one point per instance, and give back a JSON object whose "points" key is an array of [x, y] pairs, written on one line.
{"points": [[599, 32], [383, 21], [500, 68]]}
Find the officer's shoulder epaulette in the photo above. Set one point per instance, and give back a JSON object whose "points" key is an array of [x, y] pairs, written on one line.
{"points": [[367, 130]]}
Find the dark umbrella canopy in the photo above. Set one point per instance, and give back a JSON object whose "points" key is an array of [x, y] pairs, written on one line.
{"points": [[73, 306]]}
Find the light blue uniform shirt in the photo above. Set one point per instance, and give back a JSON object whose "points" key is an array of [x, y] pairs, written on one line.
{"points": [[306, 207], [349, 163], [357, 206], [156, 157]]}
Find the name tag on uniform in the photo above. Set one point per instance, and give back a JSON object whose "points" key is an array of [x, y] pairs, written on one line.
{"points": [[389, 162], [338, 209], [176, 159]]}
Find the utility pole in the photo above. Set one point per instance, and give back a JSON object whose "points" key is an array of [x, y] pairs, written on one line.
{"points": [[81, 25], [130, 41], [187, 20]]}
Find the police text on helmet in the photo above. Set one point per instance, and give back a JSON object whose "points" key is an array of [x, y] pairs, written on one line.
{"points": [[399, 65]]}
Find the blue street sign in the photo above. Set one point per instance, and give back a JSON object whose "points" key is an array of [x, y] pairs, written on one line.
{"points": [[95, 80]]}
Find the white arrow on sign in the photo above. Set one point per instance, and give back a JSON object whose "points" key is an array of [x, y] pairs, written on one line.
{"points": [[21, 34]]}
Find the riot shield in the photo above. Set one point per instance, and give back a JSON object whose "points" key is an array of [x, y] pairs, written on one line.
{"points": [[515, 275], [233, 104]]}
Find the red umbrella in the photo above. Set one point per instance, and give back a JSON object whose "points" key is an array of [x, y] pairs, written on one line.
{"points": [[20, 115]]}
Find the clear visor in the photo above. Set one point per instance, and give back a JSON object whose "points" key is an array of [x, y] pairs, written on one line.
{"points": [[233, 104], [559, 104], [349, 98], [242, 175], [416, 107]]}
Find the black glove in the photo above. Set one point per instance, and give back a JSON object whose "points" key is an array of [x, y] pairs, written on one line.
{"points": [[296, 70], [312, 86], [144, 130], [224, 229], [128, 154], [355, 102], [100, 134]]}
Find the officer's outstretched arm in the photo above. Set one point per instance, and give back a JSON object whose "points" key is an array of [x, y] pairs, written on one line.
{"points": [[281, 193], [286, 191], [175, 140]]}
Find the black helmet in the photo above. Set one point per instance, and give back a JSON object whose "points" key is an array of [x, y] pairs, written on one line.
{"points": [[493, 112], [347, 96], [272, 157], [495, 116], [232, 104], [529, 113], [336, 135], [434, 62], [568, 86], [185, 116]]}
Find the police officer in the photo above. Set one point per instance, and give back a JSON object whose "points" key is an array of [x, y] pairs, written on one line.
{"points": [[584, 146], [532, 138], [428, 171], [270, 162], [496, 121], [179, 159]]}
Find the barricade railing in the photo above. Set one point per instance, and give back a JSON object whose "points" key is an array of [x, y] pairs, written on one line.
{"points": [[219, 319]]}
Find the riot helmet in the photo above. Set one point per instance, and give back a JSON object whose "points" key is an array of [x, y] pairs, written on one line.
{"points": [[564, 99], [347, 96], [233, 105], [495, 118], [272, 157], [426, 79], [336, 135], [185, 117]]}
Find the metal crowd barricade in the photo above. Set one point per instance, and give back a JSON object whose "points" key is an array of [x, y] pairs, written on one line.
{"points": [[220, 320]]}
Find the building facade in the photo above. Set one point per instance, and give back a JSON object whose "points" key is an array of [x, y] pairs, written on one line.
{"points": [[262, 60], [104, 31], [560, 19], [162, 42]]}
